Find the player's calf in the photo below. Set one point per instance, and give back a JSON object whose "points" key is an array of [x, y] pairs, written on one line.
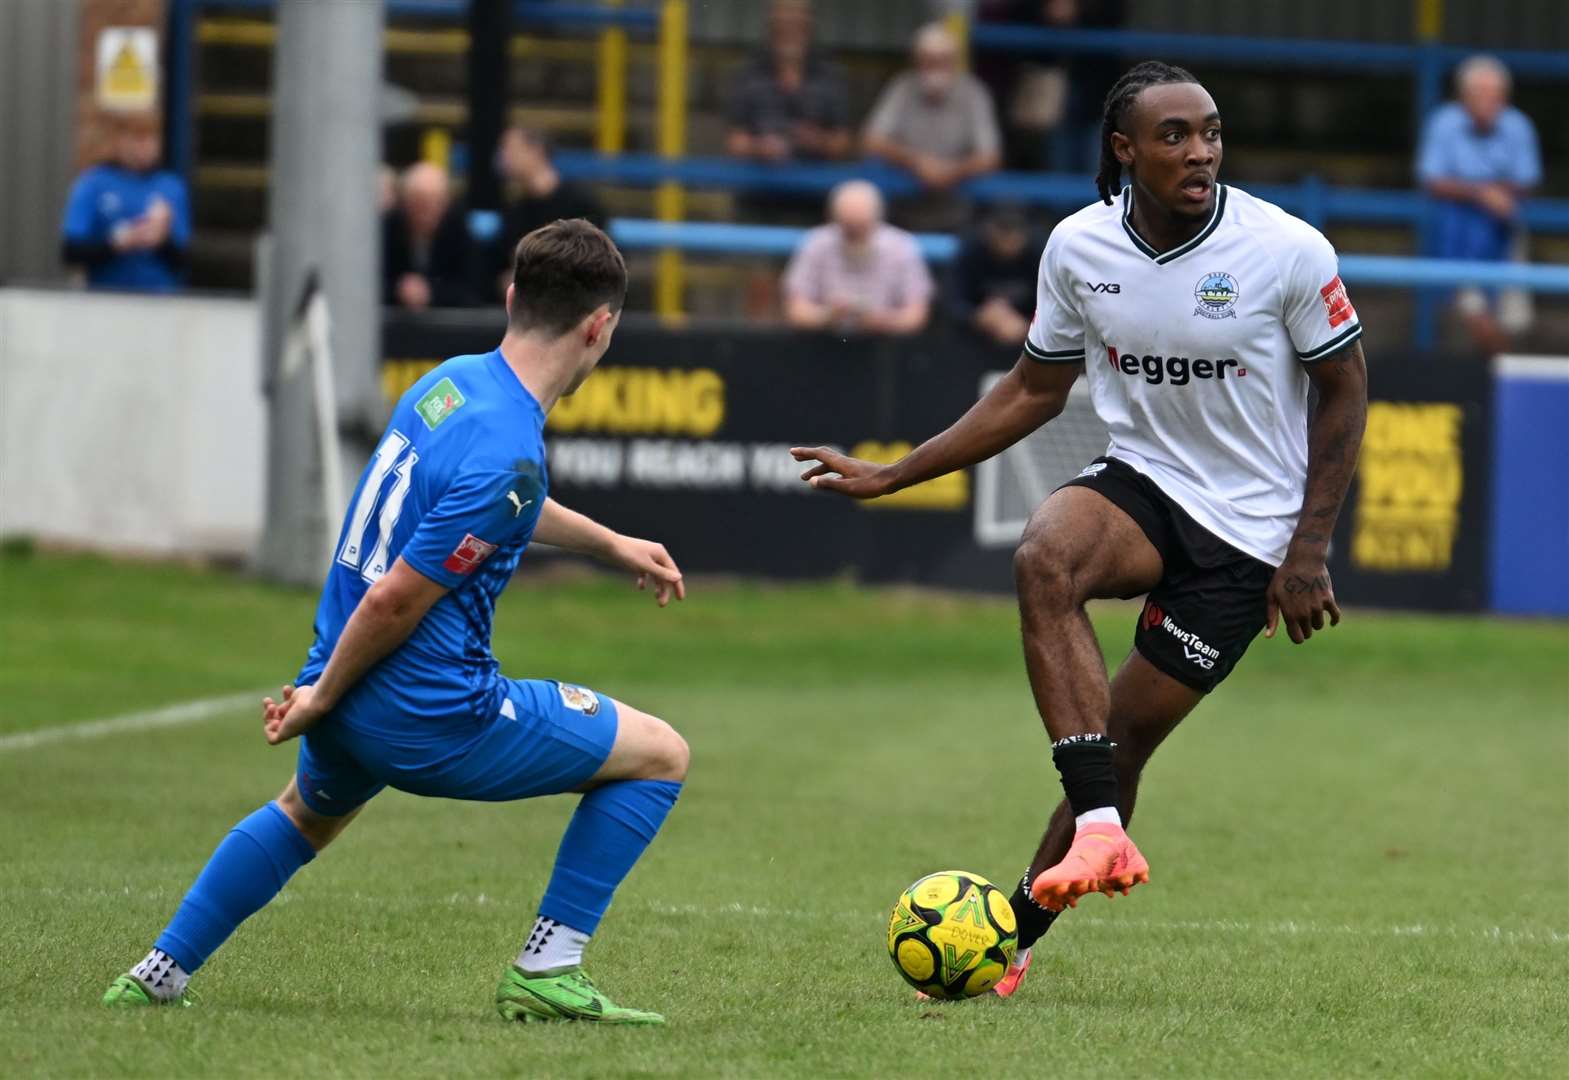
{"points": [[627, 801], [248, 868]]}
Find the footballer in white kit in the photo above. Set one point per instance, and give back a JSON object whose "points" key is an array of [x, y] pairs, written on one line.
{"points": [[1202, 317]]}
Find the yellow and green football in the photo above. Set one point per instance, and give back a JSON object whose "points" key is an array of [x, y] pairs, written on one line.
{"points": [[952, 935]]}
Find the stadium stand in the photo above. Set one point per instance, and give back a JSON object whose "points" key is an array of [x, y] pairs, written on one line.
{"points": [[1356, 63]]}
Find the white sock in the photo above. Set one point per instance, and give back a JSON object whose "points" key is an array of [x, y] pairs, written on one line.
{"points": [[551, 945], [1104, 815], [164, 979], [1021, 958]]}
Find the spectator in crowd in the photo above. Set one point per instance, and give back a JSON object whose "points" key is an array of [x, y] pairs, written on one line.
{"points": [[128, 222], [536, 194], [1051, 104], [857, 272], [425, 244], [991, 287], [789, 101], [1478, 158], [938, 122]]}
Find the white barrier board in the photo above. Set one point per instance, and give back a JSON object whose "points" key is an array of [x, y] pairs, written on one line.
{"points": [[131, 423]]}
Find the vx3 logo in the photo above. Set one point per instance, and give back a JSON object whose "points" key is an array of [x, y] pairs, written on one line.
{"points": [[1104, 286]]}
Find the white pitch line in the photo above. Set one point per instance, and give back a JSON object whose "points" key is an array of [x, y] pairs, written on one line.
{"points": [[170, 716], [1287, 928]]}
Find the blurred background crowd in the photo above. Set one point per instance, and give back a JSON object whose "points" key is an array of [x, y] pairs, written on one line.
{"points": [[824, 103]]}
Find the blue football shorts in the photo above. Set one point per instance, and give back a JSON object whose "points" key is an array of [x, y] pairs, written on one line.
{"points": [[548, 738]]}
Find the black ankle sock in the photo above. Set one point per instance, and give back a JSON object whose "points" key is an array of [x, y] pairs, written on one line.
{"points": [[1088, 778], [1033, 919]]}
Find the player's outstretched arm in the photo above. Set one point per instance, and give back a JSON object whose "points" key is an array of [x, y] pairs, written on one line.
{"points": [[577, 532], [384, 618], [1021, 401], [1301, 594]]}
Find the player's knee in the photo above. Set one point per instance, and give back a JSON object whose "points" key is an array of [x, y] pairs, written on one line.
{"points": [[671, 757], [1042, 572], [319, 830]]}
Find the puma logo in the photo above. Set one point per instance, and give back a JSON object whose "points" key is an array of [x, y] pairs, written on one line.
{"points": [[518, 504]]}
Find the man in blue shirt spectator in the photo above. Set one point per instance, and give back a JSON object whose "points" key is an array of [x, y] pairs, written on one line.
{"points": [[1478, 159], [128, 222]]}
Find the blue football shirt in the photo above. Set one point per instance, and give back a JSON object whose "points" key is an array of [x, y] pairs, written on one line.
{"points": [[455, 488], [106, 197]]}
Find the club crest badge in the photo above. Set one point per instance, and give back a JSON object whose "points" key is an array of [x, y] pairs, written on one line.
{"points": [[1217, 296]]}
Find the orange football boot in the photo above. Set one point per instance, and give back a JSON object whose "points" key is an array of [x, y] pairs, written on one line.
{"points": [[1015, 977], [1102, 859]]}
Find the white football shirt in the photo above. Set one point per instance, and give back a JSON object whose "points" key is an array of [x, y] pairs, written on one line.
{"points": [[1195, 356]]}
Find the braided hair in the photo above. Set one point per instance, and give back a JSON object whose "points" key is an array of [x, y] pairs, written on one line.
{"points": [[1137, 79]]}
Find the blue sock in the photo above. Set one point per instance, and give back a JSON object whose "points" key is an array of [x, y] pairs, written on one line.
{"points": [[247, 870], [610, 830]]}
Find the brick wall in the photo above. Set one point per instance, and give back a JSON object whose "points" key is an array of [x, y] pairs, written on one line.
{"points": [[95, 16]]}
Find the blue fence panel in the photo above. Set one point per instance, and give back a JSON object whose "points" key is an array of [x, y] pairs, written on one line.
{"points": [[1238, 51], [1530, 526]]}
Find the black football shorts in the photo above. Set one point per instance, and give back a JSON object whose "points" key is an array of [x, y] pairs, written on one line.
{"points": [[1212, 599]]}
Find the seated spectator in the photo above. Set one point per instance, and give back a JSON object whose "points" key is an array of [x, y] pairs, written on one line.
{"points": [[938, 122], [425, 244], [128, 222], [857, 273], [788, 101], [1478, 157], [536, 194], [991, 288]]}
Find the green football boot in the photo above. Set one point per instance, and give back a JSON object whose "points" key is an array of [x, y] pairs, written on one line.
{"points": [[568, 994], [127, 991]]}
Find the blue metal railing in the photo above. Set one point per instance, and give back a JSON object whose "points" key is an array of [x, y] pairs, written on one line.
{"points": [[642, 234], [1427, 61], [1311, 199], [1237, 51]]}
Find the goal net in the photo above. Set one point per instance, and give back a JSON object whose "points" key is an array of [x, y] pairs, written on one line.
{"points": [[1011, 485]]}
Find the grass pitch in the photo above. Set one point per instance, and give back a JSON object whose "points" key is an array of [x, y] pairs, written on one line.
{"points": [[1359, 852]]}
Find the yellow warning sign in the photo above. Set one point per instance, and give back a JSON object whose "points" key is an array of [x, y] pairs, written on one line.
{"points": [[128, 68]]}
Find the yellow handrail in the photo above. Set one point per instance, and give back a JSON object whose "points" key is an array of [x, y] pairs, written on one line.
{"points": [[611, 135], [670, 198]]}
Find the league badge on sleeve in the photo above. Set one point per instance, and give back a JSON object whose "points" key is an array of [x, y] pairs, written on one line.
{"points": [[439, 402], [470, 553], [579, 699], [1337, 303]]}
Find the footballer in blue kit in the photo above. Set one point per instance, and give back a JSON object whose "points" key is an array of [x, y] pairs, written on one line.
{"points": [[400, 687]]}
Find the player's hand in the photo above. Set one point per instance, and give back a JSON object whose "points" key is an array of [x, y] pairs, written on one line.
{"points": [[296, 714], [649, 561], [856, 478], [1301, 595]]}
